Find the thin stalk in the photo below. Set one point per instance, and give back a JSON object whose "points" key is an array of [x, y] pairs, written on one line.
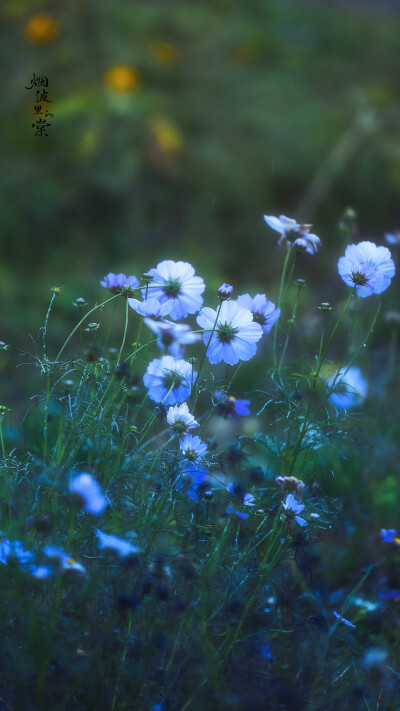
{"points": [[205, 352], [81, 322], [280, 299], [125, 329], [291, 322]]}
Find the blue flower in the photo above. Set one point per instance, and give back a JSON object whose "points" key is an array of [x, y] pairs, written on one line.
{"points": [[174, 336], [392, 237], [229, 405], [238, 492], [235, 335], [40, 572], [10, 550], [191, 480], [168, 380], [152, 308], [367, 267], [225, 290], [264, 311], [294, 234], [350, 388], [117, 282], [119, 545], [192, 447], [388, 535], [293, 508], [177, 281], [342, 619], [231, 510], [87, 488]]}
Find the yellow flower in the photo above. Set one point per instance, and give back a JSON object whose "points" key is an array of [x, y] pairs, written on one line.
{"points": [[167, 136], [164, 52], [41, 29], [122, 78]]}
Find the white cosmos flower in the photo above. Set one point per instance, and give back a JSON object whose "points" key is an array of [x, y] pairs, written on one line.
{"points": [[192, 448], [152, 308], [168, 380], [264, 311], [177, 281], [174, 336], [350, 389], [180, 419], [367, 267], [235, 334]]}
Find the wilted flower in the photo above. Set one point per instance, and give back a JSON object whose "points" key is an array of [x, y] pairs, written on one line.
{"points": [[117, 282], [192, 448], [180, 419], [291, 483], [168, 380], [229, 405], [264, 311], [152, 308], [235, 334], [350, 388], [342, 619], [87, 488], [368, 267], [174, 336], [294, 234], [177, 281], [293, 508], [119, 545]]}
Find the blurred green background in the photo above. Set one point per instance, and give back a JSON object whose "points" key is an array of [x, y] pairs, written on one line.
{"points": [[176, 126]]}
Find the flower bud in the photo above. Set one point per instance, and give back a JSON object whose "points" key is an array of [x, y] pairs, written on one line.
{"points": [[225, 291]]}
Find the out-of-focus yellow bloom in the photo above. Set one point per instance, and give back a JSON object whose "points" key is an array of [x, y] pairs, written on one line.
{"points": [[167, 136], [164, 52], [122, 78], [41, 29]]}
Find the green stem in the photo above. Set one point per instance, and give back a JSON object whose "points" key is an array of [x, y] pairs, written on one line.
{"points": [[123, 658], [280, 299], [125, 329], [314, 383], [205, 353], [291, 322], [81, 322]]}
